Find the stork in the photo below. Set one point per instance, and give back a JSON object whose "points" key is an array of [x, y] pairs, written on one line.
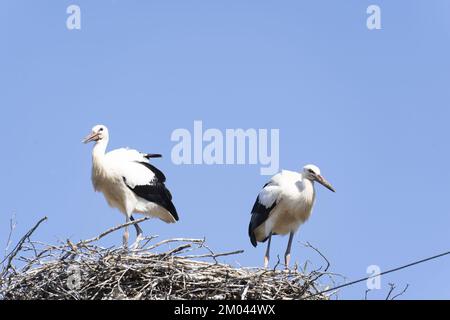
{"points": [[129, 182], [283, 204]]}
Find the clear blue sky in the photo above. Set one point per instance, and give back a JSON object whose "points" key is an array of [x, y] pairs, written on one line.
{"points": [[371, 108]]}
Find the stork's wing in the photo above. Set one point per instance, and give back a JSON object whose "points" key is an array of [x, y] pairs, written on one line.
{"points": [[131, 155], [264, 204], [147, 182]]}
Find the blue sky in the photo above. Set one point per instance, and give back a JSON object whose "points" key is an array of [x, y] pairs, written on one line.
{"points": [[369, 107]]}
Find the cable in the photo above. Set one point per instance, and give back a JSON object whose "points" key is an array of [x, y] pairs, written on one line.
{"points": [[380, 274]]}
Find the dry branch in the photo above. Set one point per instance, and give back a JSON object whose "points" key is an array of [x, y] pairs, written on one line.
{"points": [[88, 271]]}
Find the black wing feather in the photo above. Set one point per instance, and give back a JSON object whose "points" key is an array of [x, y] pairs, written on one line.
{"points": [[158, 173], [260, 213], [155, 191]]}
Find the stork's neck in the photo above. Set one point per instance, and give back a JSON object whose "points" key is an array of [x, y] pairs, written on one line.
{"points": [[308, 183], [99, 151], [310, 187]]}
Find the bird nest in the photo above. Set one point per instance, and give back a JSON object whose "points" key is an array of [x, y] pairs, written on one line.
{"points": [[169, 269]]}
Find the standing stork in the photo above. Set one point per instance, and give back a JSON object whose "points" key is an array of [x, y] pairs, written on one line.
{"points": [[129, 182], [283, 204]]}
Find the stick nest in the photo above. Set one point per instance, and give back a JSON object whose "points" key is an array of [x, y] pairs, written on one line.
{"points": [[170, 269]]}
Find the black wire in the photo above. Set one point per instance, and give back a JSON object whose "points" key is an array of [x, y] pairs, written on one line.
{"points": [[380, 274]]}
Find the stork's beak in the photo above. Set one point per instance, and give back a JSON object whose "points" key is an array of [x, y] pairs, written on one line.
{"points": [[91, 137], [325, 183]]}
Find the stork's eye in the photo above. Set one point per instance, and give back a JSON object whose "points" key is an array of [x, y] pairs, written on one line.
{"points": [[311, 171], [101, 129]]}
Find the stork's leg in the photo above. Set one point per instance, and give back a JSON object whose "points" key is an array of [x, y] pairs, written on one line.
{"points": [[126, 235], [139, 235], [267, 255], [287, 255], [138, 229]]}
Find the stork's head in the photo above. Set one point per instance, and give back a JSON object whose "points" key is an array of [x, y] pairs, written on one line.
{"points": [[99, 133], [312, 172]]}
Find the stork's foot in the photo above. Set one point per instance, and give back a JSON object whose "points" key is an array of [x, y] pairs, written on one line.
{"points": [[266, 261], [287, 260], [125, 237]]}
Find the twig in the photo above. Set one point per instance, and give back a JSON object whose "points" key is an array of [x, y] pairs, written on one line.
{"points": [[175, 240], [401, 293], [101, 235], [19, 245], [12, 226], [212, 255], [391, 289], [308, 245]]}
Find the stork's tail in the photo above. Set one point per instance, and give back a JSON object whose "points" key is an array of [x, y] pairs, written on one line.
{"points": [[152, 155]]}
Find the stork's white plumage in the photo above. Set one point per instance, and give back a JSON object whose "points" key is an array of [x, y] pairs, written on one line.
{"points": [[129, 182], [283, 204]]}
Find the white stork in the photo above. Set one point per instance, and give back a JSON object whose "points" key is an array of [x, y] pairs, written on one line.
{"points": [[129, 182], [283, 204]]}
